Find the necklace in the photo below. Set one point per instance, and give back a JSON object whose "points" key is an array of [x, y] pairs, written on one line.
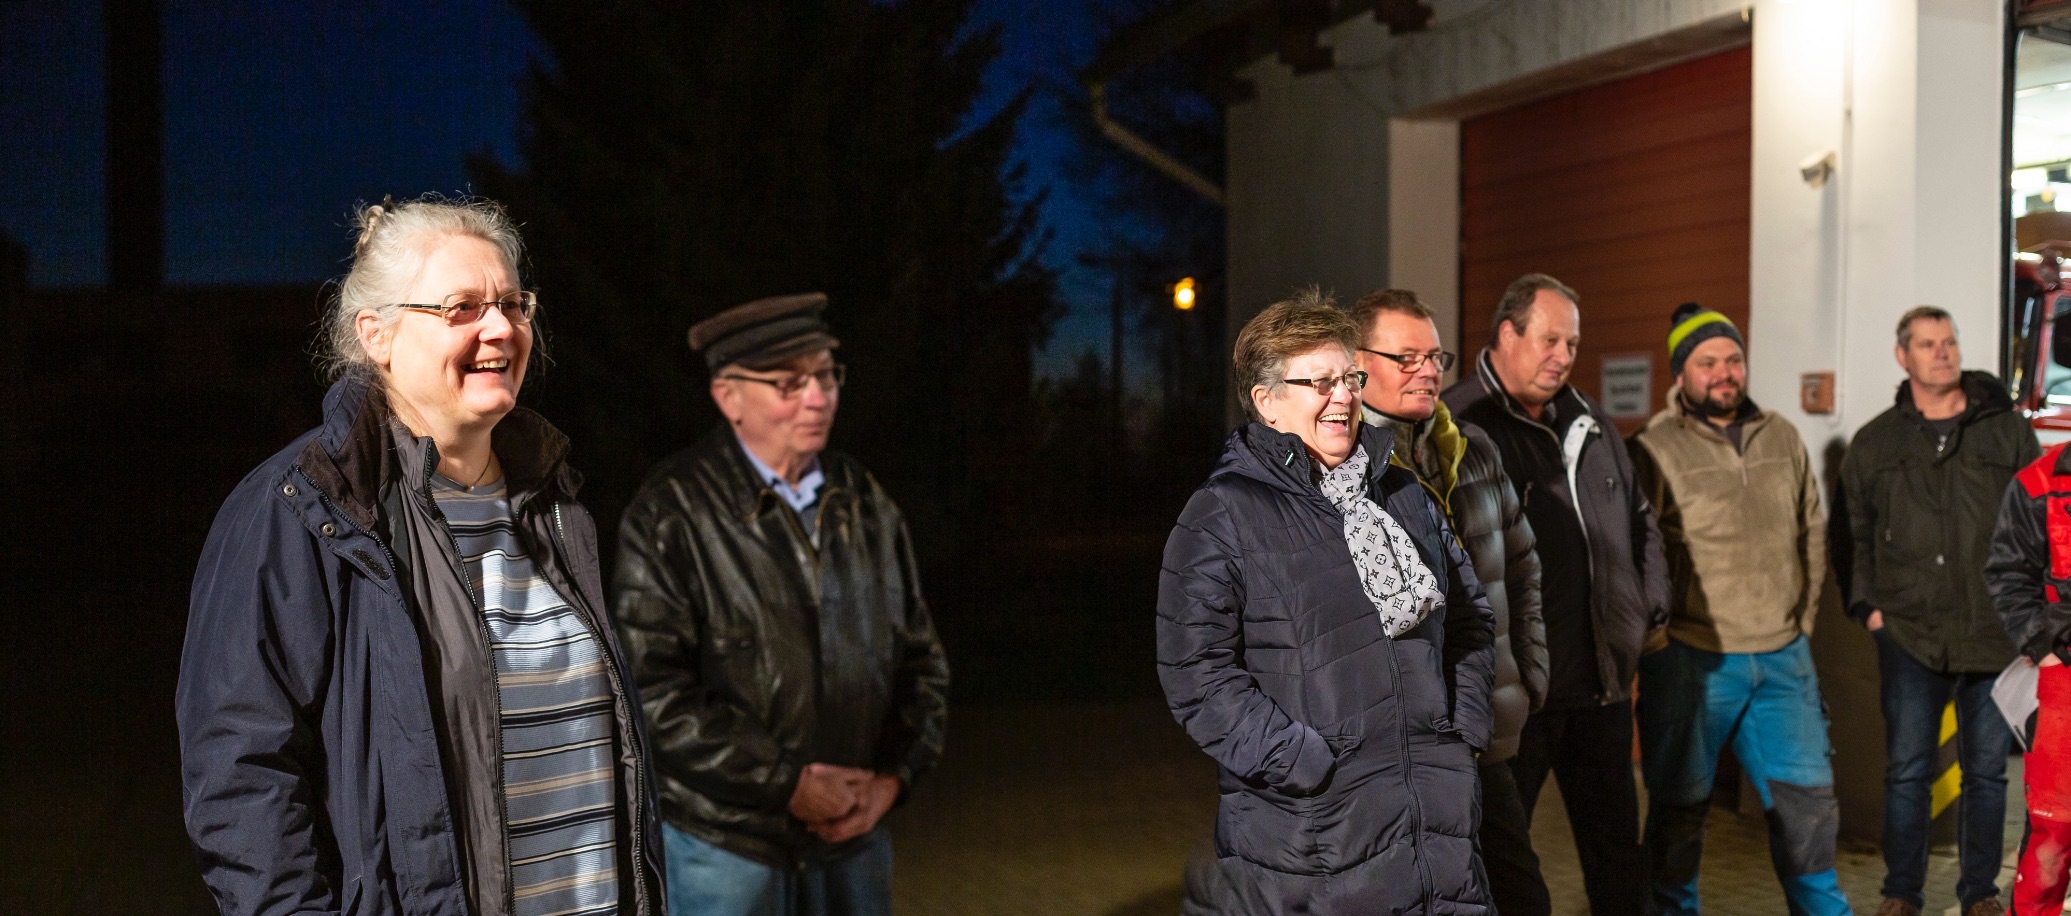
{"points": [[486, 465]]}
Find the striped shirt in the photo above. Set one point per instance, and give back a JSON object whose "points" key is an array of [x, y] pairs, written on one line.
{"points": [[559, 763]]}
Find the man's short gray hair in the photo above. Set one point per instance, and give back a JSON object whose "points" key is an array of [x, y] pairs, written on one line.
{"points": [[394, 239], [1916, 313], [1515, 306]]}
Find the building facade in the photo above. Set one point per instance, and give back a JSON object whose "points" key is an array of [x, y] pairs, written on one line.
{"points": [[1812, 168]]}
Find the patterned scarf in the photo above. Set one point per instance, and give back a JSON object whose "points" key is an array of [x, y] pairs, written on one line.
{"points": [[1394, 576]]}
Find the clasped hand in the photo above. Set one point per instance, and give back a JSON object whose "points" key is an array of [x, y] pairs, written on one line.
{"points": [[840, 803]]}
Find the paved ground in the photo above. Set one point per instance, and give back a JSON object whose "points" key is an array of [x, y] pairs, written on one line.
{"points": [[1073, 808], [1091, 809]]}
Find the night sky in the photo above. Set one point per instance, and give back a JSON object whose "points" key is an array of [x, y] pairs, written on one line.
{"points": [[279, 117]]}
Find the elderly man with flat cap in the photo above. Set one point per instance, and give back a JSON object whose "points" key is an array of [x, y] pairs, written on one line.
{"points": [[767, 598]]}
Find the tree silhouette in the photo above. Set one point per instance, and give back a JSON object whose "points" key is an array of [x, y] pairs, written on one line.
{"points": [[681, 158]]}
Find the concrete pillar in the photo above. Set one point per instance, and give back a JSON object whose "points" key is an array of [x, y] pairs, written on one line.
{"points": [[1424, 219], [1307, 191], [1904, 95]]}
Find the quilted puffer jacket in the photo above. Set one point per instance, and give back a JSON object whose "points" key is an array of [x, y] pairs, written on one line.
{"points": [[1346, 758]]}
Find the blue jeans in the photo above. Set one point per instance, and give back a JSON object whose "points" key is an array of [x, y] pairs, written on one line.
{"points": [[1766, 707], [1914, 696], [705, 880]]}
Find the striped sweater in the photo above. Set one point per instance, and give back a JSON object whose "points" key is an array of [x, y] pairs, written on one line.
{"points": [[555, 699]]}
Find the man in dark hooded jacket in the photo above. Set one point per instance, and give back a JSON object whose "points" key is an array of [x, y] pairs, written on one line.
{"points": [[1603, 579], [1923, 484]]}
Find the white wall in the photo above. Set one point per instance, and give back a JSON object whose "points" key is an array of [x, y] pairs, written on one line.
{"points": [[1906, 95]]}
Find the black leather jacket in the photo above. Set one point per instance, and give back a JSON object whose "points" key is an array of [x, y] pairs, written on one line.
{"points": [[757, 653]]}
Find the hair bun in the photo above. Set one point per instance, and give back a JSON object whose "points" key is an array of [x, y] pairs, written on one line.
{"points": [[369, 219]]}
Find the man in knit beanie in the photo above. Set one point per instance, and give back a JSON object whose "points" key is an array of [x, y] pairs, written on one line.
{"points": [[1745, 538], [1691, 327]]}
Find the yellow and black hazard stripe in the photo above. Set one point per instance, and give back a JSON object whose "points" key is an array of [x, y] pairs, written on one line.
{"points": [[1948, 783]]}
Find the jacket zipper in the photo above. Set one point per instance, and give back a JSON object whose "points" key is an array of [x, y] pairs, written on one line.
{"points": [[1603, 655], [618, 686], [510, 891], [1409, 780]]}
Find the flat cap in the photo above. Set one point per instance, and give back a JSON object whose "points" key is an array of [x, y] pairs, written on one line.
{"points": [[764, 333]]}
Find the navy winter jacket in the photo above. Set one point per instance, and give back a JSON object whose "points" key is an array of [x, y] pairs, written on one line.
{"points": [[1346, 758], [310, 759]]}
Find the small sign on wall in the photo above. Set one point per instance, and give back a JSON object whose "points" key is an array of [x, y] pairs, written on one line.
{"points": [[1629, 385]]}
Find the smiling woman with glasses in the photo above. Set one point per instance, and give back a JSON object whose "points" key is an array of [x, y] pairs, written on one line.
{"points": [[1322, 635], [400, 691]]}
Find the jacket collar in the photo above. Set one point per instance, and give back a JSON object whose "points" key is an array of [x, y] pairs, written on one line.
{"points": [[1441, 433], [357, 451], [1570, 400], [1752, 417], [1262, 452], [1983, 393], [747, 494]]}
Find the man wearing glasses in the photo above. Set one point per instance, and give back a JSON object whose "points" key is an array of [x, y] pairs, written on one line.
{"points": [[1603, 583], [790, 671], [1399, 349]]}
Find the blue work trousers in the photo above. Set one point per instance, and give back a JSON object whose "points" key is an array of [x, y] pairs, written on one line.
{"points": [[1914, 696], [1766, 707], [705, 880]]}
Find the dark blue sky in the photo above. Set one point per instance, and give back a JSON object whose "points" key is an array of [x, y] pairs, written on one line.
{"points": [[278, 121]]}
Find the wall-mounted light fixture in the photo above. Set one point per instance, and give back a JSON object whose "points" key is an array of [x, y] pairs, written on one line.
{"points": [[1817, 168]]}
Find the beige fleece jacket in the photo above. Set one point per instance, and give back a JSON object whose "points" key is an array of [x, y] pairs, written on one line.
{"points": [[1743, 530]]}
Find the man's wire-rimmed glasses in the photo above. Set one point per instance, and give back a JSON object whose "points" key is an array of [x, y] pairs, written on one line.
{"points": [[791, 386], [1411, 362]]}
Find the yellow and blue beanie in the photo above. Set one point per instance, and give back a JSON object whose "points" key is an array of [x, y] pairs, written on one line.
{"points": [[1693, 324]]}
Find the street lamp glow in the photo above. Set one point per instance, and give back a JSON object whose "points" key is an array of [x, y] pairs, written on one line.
{"points": [[1183, 294]]}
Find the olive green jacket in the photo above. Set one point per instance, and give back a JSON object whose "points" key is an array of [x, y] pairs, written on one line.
{"points": [[1743, 530], [1921, 516]]}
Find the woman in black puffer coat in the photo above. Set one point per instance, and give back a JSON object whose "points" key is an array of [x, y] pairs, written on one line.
{"points": [[1322, 636]]}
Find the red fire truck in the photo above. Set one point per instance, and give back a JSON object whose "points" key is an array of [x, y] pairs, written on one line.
{"points": [[2039, 344]]}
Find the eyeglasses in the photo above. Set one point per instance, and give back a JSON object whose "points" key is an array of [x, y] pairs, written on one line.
{"points": [[1411, 362], [790, 386], [517, 308], [1354, 380]]}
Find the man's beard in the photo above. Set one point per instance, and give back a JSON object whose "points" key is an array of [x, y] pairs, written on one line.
{"points": [[1719, 404]]}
